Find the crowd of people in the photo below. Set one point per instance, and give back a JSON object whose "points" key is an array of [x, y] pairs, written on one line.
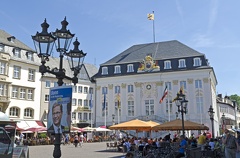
{"points": [[227, 145]]}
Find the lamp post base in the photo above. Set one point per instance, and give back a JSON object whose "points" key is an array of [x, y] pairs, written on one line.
{"points": [[57, 148]]}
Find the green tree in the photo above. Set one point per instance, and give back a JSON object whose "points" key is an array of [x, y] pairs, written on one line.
{"points": [[42, 135], [236, 98]]}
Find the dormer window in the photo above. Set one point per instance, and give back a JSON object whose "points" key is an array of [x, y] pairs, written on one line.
{"points": [[117, 69], [104, 70], [197, 62], [182, 63], [167, 64], [11, 39], [1, 48], [30, 56], [16, 52], [130, 68]]}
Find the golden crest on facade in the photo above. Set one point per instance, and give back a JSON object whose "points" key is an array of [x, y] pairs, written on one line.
{"points": [[148, 65]]}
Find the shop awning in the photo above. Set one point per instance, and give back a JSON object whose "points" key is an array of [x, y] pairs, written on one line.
{"points": [[25, 124]]}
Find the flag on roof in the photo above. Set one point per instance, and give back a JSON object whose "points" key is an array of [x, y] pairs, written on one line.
{"points": [[165, 92], [150, 16]]}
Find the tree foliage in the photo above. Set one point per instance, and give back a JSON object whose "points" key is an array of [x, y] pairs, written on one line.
{"points": [[236, 98]]}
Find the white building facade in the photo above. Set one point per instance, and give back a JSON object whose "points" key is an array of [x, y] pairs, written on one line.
{"points": [[20, 86], [138, 76]]}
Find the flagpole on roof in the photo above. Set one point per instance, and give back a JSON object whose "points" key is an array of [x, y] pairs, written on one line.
{"points": [[153, 29], [151, 17]]}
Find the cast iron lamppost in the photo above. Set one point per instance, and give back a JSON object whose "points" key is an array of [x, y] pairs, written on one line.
{"points": [[44, 43], [223, 122], [211, 114], [181, 103]]}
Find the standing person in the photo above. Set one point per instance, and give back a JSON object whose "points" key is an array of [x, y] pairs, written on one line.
{"points": [[211, 143], [238, 144], [202, 140], [182, 146], [120, 135], [230, 144], [57, 112], [76, 140], [81, 138], [21, 138]]}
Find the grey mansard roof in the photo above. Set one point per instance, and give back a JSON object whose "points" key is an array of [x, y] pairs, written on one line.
{"points": [[159, 51], [91, 69], [54, 62], [4, 40]]}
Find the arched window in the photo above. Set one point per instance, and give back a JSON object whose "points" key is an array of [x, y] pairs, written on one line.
{"points": [[14, 111], [28, 112]]}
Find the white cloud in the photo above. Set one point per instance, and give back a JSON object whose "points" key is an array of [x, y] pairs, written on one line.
{"points": [[201, 40], [180, 12], [213, 14]]}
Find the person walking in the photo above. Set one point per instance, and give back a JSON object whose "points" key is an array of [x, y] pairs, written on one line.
{"points": [[81, 139], [76, 140], [229, 142], [238, 144]]}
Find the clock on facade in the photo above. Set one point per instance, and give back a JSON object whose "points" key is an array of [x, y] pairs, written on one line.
{"points": [[148, 87]]}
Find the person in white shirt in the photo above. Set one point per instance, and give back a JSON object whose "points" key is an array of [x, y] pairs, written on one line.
{"points": [[120, 135]]}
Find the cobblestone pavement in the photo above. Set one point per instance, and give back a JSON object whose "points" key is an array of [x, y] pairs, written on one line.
{"points": [[89, 150]]}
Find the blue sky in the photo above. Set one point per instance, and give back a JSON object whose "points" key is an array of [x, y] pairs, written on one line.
{"points": [[105, 28]]}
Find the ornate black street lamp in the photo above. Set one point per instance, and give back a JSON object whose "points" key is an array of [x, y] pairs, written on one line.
{"points": [[223, 122], [181, 103], [44, 43], [62, 38], [211, 114]]}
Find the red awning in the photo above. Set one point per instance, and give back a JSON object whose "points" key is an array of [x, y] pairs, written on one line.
{"points": [[23, 125], [40, 123]]}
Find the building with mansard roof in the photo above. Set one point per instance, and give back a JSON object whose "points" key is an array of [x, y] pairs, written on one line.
{"points": [[131, 84]]}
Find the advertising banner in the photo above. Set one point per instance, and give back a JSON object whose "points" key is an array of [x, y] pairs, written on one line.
{"points": [[59, 110]]}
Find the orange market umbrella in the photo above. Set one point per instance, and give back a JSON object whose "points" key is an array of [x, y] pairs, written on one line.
{"points": [[152, 123], [137, 125], [177, 125]]}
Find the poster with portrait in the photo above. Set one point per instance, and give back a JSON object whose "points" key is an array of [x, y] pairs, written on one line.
{"points": [[59, 110]]}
